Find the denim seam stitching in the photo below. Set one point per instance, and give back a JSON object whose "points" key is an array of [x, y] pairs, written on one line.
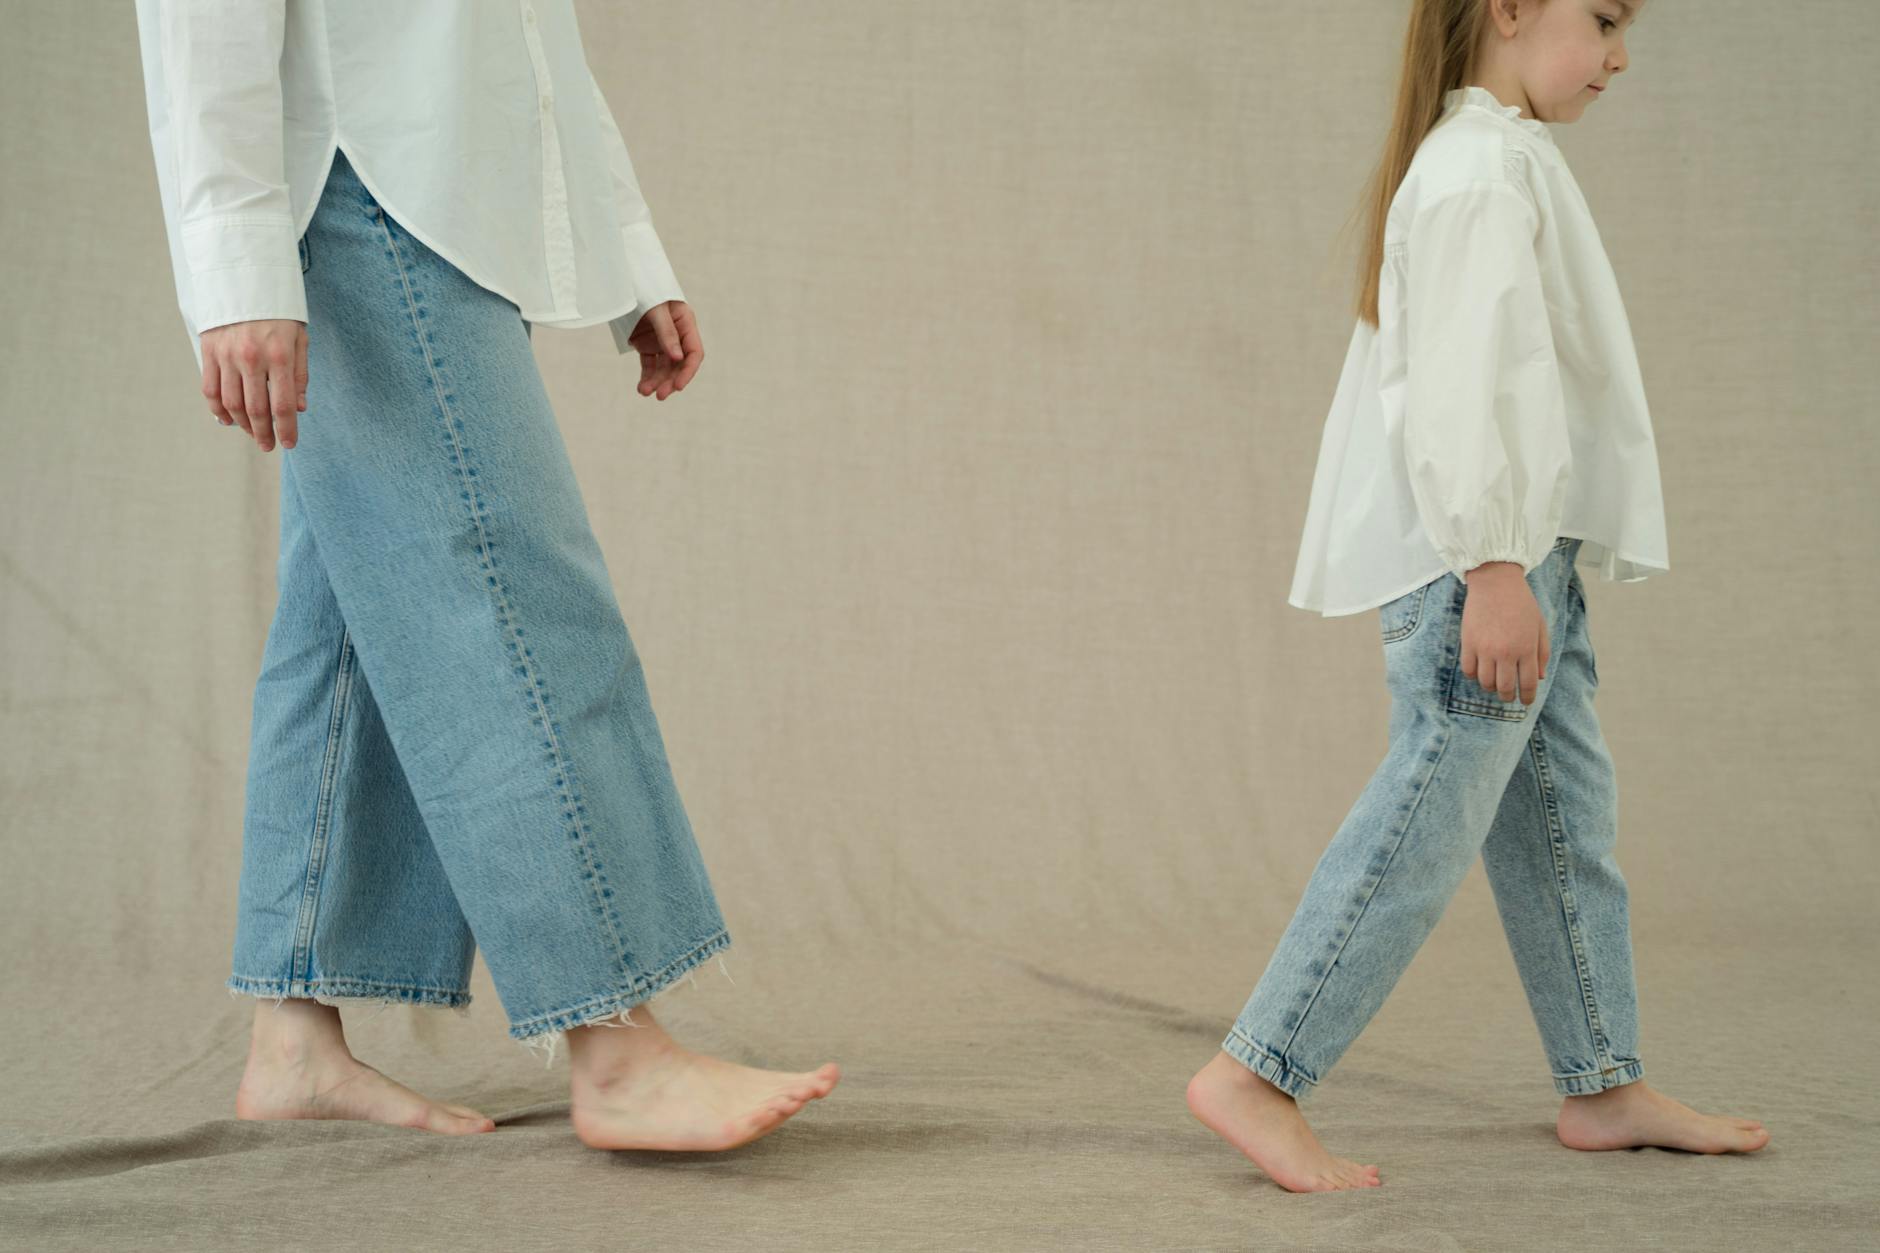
{"points": [[1370, 895], [1282, 1065], [1416, 618], [301, 968], [1556, 839], [1619, 1064], [1456, 703], [570, 799], [341, 987]]}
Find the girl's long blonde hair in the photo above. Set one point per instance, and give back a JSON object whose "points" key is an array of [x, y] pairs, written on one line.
{"points": [[1438, 56]]}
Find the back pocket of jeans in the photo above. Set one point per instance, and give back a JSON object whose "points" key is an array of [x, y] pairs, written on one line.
{"points": [[1398, 618]]}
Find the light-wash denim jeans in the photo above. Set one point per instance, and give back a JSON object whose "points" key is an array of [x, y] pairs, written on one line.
{"points": [[1531, 789], [452, 743]]}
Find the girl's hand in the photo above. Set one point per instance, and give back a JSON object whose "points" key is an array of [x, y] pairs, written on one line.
{"points": [[255, 373], [670, 350], [1504, 634]]}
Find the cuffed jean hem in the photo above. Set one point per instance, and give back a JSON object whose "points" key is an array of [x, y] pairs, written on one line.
{"points": [[329, 991], [1599, 1080], [1267, 1064], [541, 1031]]}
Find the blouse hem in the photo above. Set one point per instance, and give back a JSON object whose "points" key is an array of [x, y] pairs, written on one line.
{"points": [[1607, 555]]}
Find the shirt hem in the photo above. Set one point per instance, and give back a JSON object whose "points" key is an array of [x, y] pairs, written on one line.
{"points": [[563, 322]]}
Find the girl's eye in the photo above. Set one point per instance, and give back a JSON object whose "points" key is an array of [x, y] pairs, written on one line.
{"points": [[1605, 22]]}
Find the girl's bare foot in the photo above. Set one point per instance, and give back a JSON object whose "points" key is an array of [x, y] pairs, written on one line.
{"points": [[1632, 1114], [299, 1067], [633, 1087], [1265, 1124]]}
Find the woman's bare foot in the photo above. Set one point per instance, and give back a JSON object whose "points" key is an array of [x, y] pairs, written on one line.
{"points": [[633, 1087], [1265, 1124], [1632, 1114], [299, 1067]]}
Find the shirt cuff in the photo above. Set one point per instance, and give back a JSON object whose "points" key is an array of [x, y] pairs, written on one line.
{"points": [[243, 268], [653, 280]]}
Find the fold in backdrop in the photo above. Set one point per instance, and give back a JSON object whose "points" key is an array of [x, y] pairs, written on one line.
{"points": [[959, 576]]}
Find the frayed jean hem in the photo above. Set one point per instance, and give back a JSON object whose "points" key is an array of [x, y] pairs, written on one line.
{"points": [[541, 1032], [329, 991]]}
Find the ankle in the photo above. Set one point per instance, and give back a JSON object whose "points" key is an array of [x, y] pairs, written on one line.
{"points": [[605, 1056], [1243, 1077], [297, 1030]]}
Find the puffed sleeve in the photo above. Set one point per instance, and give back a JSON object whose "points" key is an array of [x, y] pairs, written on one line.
{"points": [[222, 78], [1484, 428], [653, 280]]}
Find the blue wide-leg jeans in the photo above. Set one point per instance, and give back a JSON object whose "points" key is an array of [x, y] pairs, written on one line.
{"points": [[452, 745]]}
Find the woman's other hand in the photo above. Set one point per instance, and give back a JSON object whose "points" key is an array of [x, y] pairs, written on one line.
{"points": [[1504, 634], [670, 349], [255, 373]]}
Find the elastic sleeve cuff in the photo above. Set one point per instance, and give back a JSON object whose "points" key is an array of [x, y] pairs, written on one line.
{"points": [[1520, 553], [243, 268]]}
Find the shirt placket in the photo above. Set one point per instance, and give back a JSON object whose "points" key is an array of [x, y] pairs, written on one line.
{"points": [[557, 230]]}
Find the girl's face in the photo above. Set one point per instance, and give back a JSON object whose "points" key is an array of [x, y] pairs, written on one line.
{"points": [[1564, 54]]}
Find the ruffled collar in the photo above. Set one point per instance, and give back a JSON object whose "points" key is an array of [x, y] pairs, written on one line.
{"points": [[1483, 98]]}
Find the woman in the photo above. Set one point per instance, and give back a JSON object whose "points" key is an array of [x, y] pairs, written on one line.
{"points": [[369, 208]]}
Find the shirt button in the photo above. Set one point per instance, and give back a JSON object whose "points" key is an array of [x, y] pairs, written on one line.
{"points": [[546, 102], [528, 15]]}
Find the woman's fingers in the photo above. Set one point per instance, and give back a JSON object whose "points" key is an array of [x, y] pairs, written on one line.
{"points": [[670, 349], [667, 333], [283, 389], [693, 345], [232, 395], [212, 390], [255, 373], [300, 371], [655, 370]]}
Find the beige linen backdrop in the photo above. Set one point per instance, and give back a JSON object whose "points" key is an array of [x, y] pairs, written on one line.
{"points": [[960, 579]]}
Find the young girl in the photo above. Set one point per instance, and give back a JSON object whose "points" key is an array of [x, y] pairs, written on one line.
{"points": [[1488, 435]]}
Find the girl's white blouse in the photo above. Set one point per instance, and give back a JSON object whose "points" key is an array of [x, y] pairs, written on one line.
{"points": [[1497, 405]]}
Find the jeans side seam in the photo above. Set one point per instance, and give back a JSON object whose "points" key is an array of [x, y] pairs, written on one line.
{"points": [[1402, 831], [1556, 840], [574, 810], [301, 971]]}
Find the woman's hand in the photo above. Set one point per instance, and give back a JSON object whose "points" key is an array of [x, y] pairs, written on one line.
{"points": [[670, 350], [255, 373], [1504, 634]]}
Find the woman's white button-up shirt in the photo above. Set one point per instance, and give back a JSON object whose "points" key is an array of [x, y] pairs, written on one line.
{"points": [[475, 123], [1497, 405]]}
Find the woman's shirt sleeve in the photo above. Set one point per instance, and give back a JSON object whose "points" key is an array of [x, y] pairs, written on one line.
{"points": [[222, 78], [653, 280], [1485, 426]]}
